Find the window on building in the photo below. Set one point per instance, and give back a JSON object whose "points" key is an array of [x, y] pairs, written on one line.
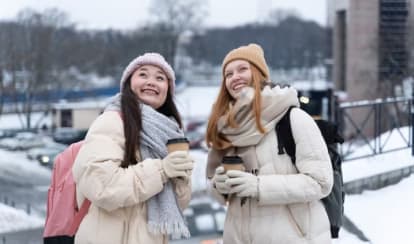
{"points": [[66, 118], [341, 50]]}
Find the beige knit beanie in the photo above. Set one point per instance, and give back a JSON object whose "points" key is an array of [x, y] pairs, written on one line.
{"points": [[252, 53], [152, 59]]}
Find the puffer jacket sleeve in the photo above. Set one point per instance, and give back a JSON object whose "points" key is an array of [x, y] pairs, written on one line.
{"points": [[213, 161], [97, 173], [314, 178]]}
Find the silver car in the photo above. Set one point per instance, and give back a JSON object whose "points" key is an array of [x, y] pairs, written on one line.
{"points": [[205, 218]]}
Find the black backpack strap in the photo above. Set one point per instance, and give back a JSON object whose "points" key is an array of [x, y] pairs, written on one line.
{"points": [[286, 142]]}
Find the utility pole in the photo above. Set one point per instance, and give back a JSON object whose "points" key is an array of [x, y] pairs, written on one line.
{"points": [[1, 89], [412, 118]]}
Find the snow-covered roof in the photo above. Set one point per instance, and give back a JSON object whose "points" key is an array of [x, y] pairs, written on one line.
{"points": [[89, 104], [311, 85]]}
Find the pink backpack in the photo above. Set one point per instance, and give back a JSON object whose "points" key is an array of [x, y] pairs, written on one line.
{"points": [[63, 216]]}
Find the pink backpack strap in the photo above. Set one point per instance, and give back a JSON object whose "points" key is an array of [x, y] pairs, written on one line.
{"points": [[79, 216], [86, 203], [77, 219]]}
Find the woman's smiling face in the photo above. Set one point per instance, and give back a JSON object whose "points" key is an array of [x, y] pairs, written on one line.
{"points": [[150, 84], [237, 75]]}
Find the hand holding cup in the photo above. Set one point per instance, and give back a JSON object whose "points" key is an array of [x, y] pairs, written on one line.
{"points": [[178, 162]]}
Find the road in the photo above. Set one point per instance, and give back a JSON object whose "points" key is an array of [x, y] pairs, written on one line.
{"points": [[23, 183], [33, 236]]}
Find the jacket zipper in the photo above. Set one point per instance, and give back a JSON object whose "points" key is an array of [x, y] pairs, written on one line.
{"points": [[127, 223], [297, 227], [255, 172], [124, 232]]}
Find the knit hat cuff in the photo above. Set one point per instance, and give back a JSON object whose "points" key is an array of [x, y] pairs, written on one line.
{"points": [[252, 53], [149, 59]]}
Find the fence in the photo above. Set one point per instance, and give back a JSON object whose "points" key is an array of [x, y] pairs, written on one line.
{"points": [[368, 125], [27, 207], [14, 204]]}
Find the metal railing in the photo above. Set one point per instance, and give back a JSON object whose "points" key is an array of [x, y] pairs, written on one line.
{"points": [[368, 125], [27, 207]]}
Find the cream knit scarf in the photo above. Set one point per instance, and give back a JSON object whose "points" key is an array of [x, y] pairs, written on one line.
{"points": [[275, 103]]}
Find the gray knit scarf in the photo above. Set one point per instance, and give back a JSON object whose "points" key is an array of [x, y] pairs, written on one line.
{"points": [[164, 215]]}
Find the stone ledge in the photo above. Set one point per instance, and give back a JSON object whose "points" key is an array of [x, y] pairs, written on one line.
{"points": [[378, 181]]}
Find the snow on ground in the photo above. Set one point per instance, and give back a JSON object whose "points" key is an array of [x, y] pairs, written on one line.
{"points": [[15, 167], [347, 238], [370, 166], [14, 219], [11, 121], [17, 161], [385, 216]]}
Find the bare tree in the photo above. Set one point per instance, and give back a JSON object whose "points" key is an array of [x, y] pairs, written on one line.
{"points": [[174, 17], [1, 90], [11, 54], [410, 46], [3, 53], [31, 64], [276, 16]]}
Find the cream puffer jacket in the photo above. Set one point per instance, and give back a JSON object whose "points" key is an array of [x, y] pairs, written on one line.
{"points": [[288, 210], [118, 213]]}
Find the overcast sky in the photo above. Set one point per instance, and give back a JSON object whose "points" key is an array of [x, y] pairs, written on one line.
{"points": [[127, 14]]}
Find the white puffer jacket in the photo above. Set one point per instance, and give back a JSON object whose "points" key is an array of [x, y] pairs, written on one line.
{"points": [[288, 210]]}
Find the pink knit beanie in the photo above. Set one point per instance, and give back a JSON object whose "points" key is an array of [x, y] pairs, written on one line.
{"points": [[151, 59]]}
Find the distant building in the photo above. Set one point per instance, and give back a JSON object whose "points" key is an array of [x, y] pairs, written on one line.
{"points": [[370, 52], [372, 42], [77, 115]]}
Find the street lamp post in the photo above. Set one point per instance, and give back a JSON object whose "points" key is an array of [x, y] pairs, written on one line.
{"points": [[412, 118]]}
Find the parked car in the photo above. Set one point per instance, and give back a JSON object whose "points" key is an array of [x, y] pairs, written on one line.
{"points": [[194, 124], [7, 133], [47, 159], [205, 218], [195, 138], [67, 135], [34, 153], [9, 143], [22, 141]]}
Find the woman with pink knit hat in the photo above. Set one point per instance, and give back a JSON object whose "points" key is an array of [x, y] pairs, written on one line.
{"points": [[272, 200], [136, 188]]}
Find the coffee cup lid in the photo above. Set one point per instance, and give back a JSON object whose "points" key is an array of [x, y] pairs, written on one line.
{"points": [[177, 140], [232, 160]]}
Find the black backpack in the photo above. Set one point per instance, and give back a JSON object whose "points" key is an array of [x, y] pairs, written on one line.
{"points": [[334, 202]]}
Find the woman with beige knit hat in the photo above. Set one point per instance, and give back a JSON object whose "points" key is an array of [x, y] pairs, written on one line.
{"points": [[272, 200], [136, 188]]}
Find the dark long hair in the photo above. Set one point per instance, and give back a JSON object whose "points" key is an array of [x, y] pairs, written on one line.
{"points": [[131, 114]]}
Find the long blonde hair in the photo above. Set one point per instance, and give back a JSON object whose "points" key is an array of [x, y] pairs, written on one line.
{"points": [[221, 107]]}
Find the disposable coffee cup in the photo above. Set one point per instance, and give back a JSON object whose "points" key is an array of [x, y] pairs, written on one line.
{"points": [[232, 163], [178, 144]]}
